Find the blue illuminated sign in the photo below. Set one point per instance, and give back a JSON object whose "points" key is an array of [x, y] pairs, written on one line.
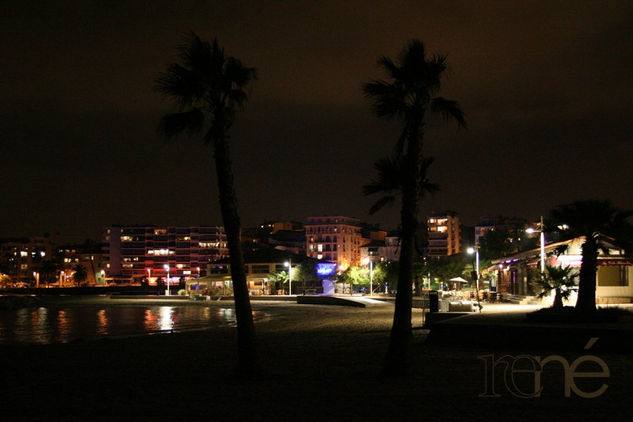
{"points": [[325, 268]]}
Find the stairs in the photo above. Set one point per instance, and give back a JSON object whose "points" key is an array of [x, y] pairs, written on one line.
{"points": [[530, 300], [522, 300]]}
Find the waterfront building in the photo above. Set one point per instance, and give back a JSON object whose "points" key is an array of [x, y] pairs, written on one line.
{"points": [[512, 275], [335, 239], [22, 258], [262, 264], [136, 252]]}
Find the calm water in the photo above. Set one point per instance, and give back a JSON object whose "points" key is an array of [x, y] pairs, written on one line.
{"points": [[59, 325]]}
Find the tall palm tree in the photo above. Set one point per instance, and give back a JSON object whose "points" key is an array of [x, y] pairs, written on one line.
{"points": [[590, 218], [208, 87], [408, 94]]}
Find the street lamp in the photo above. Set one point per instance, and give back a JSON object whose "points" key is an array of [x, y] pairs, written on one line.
{"points": [[371, 274], [475, 251], [289, 265], [166, 266], [542, 236]]}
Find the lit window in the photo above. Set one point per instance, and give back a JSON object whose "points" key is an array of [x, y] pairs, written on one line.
{"points": [[24, 253], [320, 248]]}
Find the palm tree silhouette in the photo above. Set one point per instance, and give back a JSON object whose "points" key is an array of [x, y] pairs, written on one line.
{"points": [[559, 279], [590, 219], [389, 182], [208, 88], [407, 95]]}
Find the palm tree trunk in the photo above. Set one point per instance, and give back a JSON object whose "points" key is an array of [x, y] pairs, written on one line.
{"points": [[587, 285], [558, 299], [243, 312], [396, 362]]}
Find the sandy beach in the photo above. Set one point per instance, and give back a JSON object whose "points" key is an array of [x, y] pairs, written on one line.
{"points": [[318, 363]]}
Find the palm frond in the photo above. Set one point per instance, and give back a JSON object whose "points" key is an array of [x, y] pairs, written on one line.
{"points": [[387, 99], [448, 109], [388, 170], [390, 67], [387, 200], [181, 85]]}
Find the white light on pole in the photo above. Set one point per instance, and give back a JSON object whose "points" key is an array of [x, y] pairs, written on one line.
{"points": [[475, 251], [542, 239], [288, 264], [166, 266]]}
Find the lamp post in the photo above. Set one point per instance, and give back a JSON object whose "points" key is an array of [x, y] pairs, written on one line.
{"points": [[371, 275], [289, 265], [475, 251], [542, 239], [166, 266]]}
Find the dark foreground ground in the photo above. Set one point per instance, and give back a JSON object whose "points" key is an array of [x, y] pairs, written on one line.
{"points": [[319, 363]]}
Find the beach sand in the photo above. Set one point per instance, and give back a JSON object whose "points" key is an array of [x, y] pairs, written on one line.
{"points": [[318, 363]]}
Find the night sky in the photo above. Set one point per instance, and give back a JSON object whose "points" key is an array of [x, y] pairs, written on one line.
{"points": [[546, 86]]}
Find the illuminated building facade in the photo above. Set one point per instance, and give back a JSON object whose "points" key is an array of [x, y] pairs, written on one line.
{"points": [[135, 252], [335, 239], [513, 274], [387, 250], [444, 232], [22, 258]]}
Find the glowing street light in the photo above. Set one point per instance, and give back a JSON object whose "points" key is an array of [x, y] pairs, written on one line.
{"points": [[371, 274], [288, 264], [166, 266], [475, 251], [542, 236]]}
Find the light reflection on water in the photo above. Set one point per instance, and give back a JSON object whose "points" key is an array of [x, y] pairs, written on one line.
{"points": [[51, 325]]}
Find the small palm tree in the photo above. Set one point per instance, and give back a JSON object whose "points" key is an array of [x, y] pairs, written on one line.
{"points": [[208, 88], [560, 279], [80, 275], [408, 94], [590, 218], [48, 271]]}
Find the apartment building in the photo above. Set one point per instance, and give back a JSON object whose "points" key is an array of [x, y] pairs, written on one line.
{"points": [[336, 239], [486, 224], [22, 258], [135, 252], [444, 232], [387, 250]]}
